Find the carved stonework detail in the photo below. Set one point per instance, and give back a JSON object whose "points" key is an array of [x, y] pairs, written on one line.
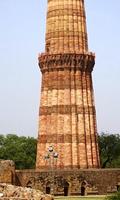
{"points": [[66, 109], [54, 62]]}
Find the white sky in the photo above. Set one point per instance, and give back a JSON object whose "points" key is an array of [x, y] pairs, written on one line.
{"points": [[22, 31]]}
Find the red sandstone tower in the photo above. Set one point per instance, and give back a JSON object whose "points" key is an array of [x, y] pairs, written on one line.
{"points": [[67, 117]]}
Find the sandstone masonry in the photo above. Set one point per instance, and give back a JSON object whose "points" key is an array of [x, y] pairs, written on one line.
{"points": [[63, 182], [67, 116]]}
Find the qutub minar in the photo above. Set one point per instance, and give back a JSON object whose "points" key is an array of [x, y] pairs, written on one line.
{"points": [[67, 116]]}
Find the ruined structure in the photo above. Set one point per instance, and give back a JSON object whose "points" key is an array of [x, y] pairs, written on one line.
{"points": [[67, 117], [63, 182], [7, 171], [11, 192]]}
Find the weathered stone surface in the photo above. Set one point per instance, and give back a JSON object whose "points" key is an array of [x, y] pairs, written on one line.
{"points": [[19, 193], [7, 164], [100, 181], [7, 171]]}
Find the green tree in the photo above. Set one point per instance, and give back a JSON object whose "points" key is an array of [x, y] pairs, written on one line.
{"points": [[109, 145], [22, 150]]}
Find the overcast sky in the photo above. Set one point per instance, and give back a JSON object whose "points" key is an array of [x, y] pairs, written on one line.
{"points": [[22, 31]]}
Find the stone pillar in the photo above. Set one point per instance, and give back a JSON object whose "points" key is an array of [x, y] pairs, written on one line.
{"points": [[67, 118]]}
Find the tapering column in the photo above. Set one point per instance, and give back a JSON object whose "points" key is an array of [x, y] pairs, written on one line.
{"points": [[67, 117]]}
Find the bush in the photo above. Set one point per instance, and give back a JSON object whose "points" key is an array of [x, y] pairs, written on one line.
{"points": [[114, 197]]}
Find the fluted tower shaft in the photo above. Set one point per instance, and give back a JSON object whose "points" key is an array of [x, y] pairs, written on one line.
{"points": [[66, 27], [67, 116]]}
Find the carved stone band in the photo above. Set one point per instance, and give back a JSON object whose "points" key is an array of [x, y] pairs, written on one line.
{"points": [[68, 138], [85, 62], [66, 109], [62, 11]]}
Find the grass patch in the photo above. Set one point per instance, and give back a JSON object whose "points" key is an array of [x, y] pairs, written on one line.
{"points": [[81, 198]]}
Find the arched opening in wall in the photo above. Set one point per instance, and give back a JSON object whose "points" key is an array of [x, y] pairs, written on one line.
{"points": [[83, 188], [29, 184], [66, 188], [47, 190], [118, 187]]}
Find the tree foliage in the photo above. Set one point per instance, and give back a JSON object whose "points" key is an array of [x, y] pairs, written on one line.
{"points": [[22, 150], [109, 145]]}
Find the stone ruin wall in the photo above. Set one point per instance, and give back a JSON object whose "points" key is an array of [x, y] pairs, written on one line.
{"points": [[100, 181]]}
